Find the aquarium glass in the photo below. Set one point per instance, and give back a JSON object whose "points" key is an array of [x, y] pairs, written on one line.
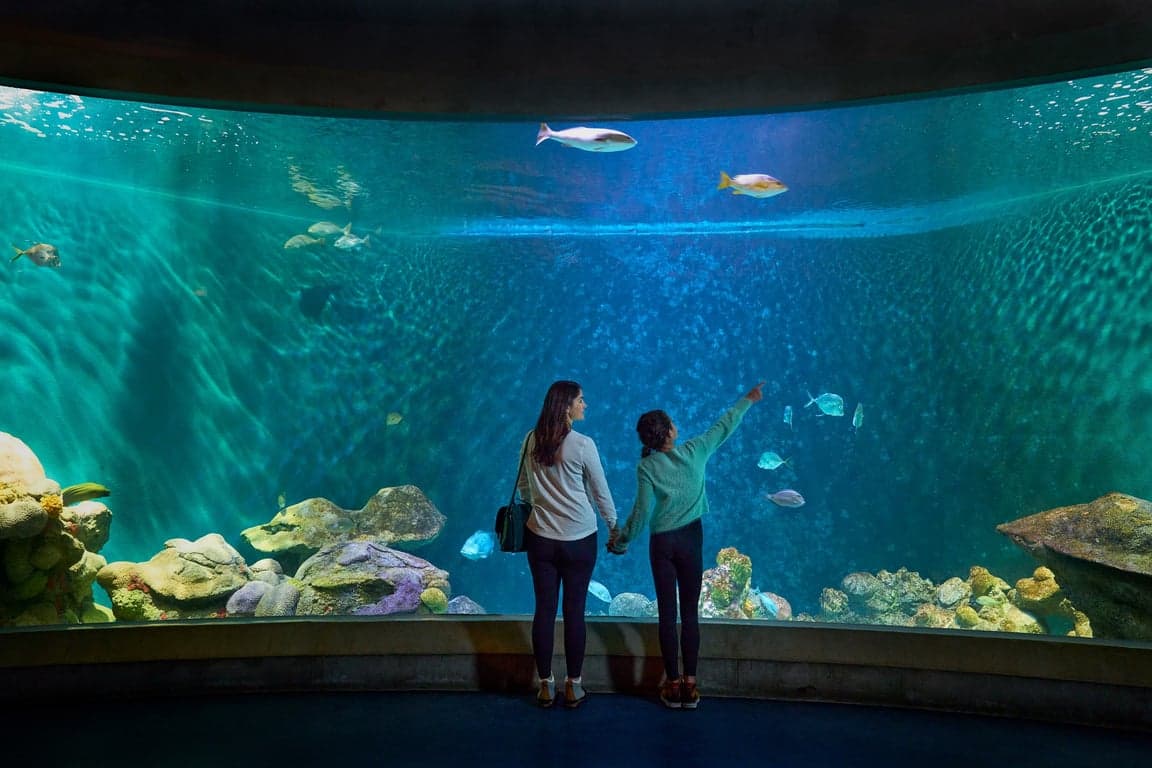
{"points": [[265, 320]]}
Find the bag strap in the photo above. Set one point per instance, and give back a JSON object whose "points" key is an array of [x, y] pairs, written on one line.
{"points": [[519, 472]]}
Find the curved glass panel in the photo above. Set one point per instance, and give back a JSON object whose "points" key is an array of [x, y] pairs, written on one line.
{"points": [[319, 342]]}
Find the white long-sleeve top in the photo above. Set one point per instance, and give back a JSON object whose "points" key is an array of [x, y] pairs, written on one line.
{"points": [[562, 495]]}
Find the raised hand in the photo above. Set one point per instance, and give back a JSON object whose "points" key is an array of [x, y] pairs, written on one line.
{"points": [[756, 393]]}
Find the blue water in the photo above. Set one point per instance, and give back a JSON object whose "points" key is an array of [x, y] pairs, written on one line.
{"points": [[972, 268]]}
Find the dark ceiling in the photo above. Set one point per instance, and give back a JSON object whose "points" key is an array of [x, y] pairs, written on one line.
{"points": [[555, 59]]}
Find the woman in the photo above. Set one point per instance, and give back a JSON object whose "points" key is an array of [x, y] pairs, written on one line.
{"points": [[562, 478], [673, 477]]}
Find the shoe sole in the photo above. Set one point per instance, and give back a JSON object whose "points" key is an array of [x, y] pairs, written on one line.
{"points": [[575, 703]]}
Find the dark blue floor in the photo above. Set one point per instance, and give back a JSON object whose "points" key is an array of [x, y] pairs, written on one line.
{"points": [[494, 731]]}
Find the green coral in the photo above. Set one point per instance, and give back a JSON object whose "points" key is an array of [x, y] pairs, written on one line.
{"points": [[967, 617], [739, 568], [434, 600]]}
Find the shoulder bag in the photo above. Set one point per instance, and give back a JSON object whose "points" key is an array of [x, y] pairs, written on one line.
{"points": [[512, 519]]}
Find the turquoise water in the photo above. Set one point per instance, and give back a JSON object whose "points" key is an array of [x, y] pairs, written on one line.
{"points": [[973, 269]]}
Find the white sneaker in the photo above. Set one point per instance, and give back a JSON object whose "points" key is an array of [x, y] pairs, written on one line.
{"points": [[547, 693]]}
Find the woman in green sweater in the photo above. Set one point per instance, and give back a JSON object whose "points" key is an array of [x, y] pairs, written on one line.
{"points": [[670, 497]]}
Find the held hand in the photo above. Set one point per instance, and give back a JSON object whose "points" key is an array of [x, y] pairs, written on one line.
{"points": [[756, 393]]}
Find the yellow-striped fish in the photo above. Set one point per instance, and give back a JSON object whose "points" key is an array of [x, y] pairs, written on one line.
{"points": [[752, 184]]}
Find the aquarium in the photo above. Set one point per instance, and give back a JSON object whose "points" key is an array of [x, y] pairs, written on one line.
{"points": [[300, 353]]}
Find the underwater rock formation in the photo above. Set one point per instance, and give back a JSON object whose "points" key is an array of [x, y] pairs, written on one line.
{"points": [[1101, 552], [46, 573], [727, 591], [187, 579], [365, 577], [401, 517], [633, 605], [462, 604]]}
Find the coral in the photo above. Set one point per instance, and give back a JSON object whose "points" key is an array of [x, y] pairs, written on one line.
{"points": [[739, 567], [404, 599], [1039, 594], [983, 581], [952, 592], [52, 504], [21, 519], [931, 615], [280, 600], [833, 602], [966, 616], [243, 601], [719, 590], [462, 604], [434, 600]]}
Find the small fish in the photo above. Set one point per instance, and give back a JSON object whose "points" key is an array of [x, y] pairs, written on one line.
{"points": [[479, 545], [768, 603], [325, 229], [858, 416], [986, 601], [830, 404], [752, 184], [393, 418], [788, 415], [587, 139], [771, 460], [349, 241], [314, 299], [787, 498], [599, 591], [74, 494], [297, 242], [281, 500], [41, 254]]}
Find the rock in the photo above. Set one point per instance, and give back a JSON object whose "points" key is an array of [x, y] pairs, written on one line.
{"points": [[632, 604], [952, 592], [1101, 552], [18, 464], [21, 519], [279, 600], [462, 604], [243, 601], [365, 577], [90, 522], [402, 517]]}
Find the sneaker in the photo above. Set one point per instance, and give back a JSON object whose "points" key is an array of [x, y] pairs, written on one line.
{"points": [[689, 696], [574, 694], [670, 694], [547, 693]]}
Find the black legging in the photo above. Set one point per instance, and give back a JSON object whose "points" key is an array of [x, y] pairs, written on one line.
{"points": [[678, 562], [554, 563]]}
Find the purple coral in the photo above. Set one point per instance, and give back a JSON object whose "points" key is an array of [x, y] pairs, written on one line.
{"points": [[405, 598]]}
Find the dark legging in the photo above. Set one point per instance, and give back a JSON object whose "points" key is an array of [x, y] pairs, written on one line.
{"points": [[678, 562], [554, 563]]}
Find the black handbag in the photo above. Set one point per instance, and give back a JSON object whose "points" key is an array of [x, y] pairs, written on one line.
{"points": [[511, 520]]}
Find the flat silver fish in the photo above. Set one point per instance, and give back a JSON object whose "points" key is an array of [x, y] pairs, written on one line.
{"points": [[587, 139], [599, 591], [479, 545], [349, 241], [41, 254], [770, 460], [752, 184], [858, 416], [830, 404], [788, 415], [787, 498], [325, 229]]}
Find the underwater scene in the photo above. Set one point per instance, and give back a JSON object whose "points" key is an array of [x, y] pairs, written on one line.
{"points": [[262, 364]]}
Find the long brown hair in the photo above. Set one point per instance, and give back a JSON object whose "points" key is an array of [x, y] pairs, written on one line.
{"points": [[653, 429], [553, 424]]}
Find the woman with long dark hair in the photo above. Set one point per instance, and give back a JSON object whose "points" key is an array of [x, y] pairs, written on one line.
{"points": [[563, 478], [672, 477]]}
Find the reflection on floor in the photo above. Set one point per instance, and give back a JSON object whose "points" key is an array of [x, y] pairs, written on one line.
{"points": [[485, 730]]}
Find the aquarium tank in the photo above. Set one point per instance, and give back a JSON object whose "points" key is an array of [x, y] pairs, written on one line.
{"points": [[264, 364]]}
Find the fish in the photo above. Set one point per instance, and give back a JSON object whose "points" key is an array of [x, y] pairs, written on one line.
{"points": [[599, 591], [281, 500], [302, 241], [787, 498], [788, 415], [41, 254], [393, 418], [858, 416], [74, 494], [587, 139], [830, 404], [770, 460], [479, 545], [769, 604], [349, 241], [752, 184], [325, 229], [986, 601], [314, 300]]}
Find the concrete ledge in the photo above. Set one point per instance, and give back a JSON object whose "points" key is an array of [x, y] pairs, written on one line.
{"points": [[1010, 675]]}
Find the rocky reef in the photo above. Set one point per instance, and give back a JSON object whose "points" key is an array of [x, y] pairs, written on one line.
{"points": [[48, 550], [727, 591]]}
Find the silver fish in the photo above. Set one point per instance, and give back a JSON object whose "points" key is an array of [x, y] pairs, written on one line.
{"points": [[788, 415], [41, 254], [770, 460], [479, 545], [752, 184], [587, 139], [858, 416], [325, 229], [349, 241], [787, 498], [828, 403]]}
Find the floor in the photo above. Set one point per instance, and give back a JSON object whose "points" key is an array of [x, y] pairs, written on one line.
{"points": [[487, 730]]}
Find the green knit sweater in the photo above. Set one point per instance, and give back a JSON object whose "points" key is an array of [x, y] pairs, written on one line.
{"points": [[674, 480]]}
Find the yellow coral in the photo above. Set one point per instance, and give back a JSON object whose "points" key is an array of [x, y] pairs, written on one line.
{"points": [[739, 567], [434, 600], [52, 504], [966, 616]]}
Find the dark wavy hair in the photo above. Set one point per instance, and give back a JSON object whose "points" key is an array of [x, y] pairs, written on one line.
{"points": [[552, 426], [653, 429]]}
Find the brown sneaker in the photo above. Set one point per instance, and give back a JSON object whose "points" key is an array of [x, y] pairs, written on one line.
{"points": [[670, 694], [689, 696], [547, 693], [574, 694]]}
